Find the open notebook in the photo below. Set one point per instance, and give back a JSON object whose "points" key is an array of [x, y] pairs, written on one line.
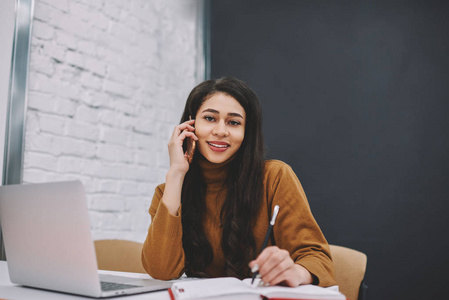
{"points": [[49, 245], [228, 286]]}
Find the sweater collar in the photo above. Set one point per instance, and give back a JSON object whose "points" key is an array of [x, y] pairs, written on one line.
{"points": [[214, 173]]}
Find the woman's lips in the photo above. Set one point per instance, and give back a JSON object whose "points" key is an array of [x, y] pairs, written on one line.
{"points": [[218, 146]]}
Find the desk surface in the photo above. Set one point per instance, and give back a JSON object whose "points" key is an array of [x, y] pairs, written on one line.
{"points": [[17, 292], [12, 291]]}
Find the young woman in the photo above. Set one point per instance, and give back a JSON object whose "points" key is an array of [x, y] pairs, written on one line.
{"points": [[211, 216]]}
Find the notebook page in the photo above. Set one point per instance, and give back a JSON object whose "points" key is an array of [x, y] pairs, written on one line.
{"points": [[210, 288], [304, 291]]}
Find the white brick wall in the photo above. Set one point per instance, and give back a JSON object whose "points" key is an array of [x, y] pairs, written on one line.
{"points": [[107, 84]]}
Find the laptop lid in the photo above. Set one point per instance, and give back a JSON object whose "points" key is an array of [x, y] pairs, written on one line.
{"points": [[48, 242], [47, 237]]}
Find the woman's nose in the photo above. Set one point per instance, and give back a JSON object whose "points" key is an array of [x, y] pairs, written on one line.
{"points": [[220, 130]]}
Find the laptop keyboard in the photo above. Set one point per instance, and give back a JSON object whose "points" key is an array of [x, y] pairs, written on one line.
{"points": [[112, 286]]}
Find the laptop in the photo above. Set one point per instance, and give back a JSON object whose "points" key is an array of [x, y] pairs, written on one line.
{"points": [[48, 242]]}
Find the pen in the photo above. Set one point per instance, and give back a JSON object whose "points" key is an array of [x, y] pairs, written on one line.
{"points": [[267, 236]]}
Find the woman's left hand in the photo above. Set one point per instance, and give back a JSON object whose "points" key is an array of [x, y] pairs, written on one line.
{"points": [[277, 267]]}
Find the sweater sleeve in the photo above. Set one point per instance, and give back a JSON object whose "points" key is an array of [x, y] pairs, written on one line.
{"points": [[162, 252], [296, 229]]}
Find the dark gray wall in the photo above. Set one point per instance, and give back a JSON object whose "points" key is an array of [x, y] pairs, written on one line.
{"points": [[355, 97]]}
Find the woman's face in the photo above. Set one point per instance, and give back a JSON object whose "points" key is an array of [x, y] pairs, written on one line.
{"points": [[220, 127]]}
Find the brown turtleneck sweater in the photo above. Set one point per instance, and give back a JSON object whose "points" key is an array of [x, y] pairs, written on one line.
{"points": [[296, 229]]}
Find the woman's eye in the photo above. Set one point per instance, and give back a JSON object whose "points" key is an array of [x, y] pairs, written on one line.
{"points": [[234, 123], [209, 118]]}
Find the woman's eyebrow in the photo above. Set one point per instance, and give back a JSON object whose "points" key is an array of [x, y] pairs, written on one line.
{"points": [[211, 111], [214, 111], [235, 115]]}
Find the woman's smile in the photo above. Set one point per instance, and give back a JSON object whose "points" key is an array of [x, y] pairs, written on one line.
{"points": [[218, 146]]}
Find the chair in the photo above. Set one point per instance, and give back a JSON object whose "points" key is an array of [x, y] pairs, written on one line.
{"points": [[119, 255], [350, 267]]}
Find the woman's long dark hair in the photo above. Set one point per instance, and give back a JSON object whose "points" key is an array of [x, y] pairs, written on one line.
{"points": [[244, 185]]}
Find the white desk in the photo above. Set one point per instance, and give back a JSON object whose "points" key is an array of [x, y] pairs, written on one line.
{"points": [[17, 292]]}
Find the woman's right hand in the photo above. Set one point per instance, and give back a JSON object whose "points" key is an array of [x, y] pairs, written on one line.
{"points": [[178, 159]]}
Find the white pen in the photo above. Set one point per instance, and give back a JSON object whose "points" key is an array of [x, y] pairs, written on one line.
{"points": [[255, 269]]}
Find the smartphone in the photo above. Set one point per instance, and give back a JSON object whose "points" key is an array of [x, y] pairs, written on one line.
{"points": [[190, 145]]}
